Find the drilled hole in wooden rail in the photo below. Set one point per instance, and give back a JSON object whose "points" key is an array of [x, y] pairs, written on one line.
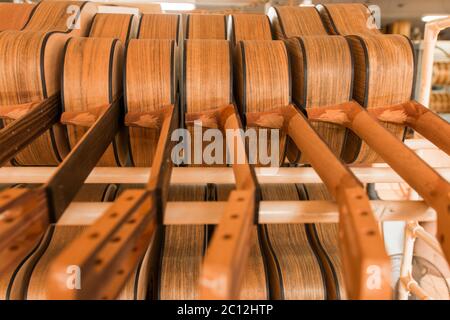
{"points": [[234, 216], [359, 197], [94, 235], [370, 233], [113, 215], [227, 236], [131, 221], [98, 261], [115, 239], [364, 213], [120, 272], [129, 198], [240, 199]]}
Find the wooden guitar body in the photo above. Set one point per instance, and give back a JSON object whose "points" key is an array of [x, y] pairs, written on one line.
{"points": [[42, 41], [14, 16], [374, 54]]}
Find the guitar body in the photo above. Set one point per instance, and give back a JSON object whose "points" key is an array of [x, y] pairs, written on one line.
{"points": [[87, 91], [374, 54], [41, 46], [14, 16]]}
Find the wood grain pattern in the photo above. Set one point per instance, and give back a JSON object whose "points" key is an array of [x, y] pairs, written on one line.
{"points": [[149, 87], [250, 27], [59, 16], [294, 21], [319, 79], [328, 239], [263, 89], [374, 55], [392, 57], [441, 73], [202, 56], [40, 47], [14, 16], [159, 26], [182, 250], [125, 26], [184, 246], [38, 267], [206, 26], [293, 266], [348, 19], [254, 285], [93, 80], [340, 182]]}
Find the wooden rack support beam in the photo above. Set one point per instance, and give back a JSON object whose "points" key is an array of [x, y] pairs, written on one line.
{"points": [[109, 250], [434, 189]]}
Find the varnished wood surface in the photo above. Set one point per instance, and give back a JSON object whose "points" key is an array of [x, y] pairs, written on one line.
{"points": [[114, 26], [159, 26], [392, 56], [250, 27], [202, 56], [260, 89], [21, 287], [206, 26], [328, 239], [295, 21], [92, 80], [319, 79], [294, 269], [40, 69], [58, 16], [182, 250], [348, 19], [149, 85], [374, 54], [14, 16]]}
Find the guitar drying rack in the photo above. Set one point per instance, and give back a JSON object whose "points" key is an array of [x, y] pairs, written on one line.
{"points": [[96, 102]]}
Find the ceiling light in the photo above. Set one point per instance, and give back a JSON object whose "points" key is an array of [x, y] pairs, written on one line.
{"points": [[433, 17], [174, 6], [307, 3]]}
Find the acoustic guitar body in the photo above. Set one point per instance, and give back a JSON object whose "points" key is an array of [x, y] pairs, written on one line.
{"points": [[40, 47]]}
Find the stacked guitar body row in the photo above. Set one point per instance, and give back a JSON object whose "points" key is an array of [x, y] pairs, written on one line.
{"points": [[80, 89]]}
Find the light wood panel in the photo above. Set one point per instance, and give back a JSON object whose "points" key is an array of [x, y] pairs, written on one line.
{"points": [[294, 269], [374, 55], [319, 79], [125, 26], [40, 49], [255, 284], [294, 21], [182, 250], [149, 87], [348, 19], [206, 26], [203, 56], [29, 283], [263, 89], [250, 27], [159, 26], [14, 16], [92, 80], [327, 239]]}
